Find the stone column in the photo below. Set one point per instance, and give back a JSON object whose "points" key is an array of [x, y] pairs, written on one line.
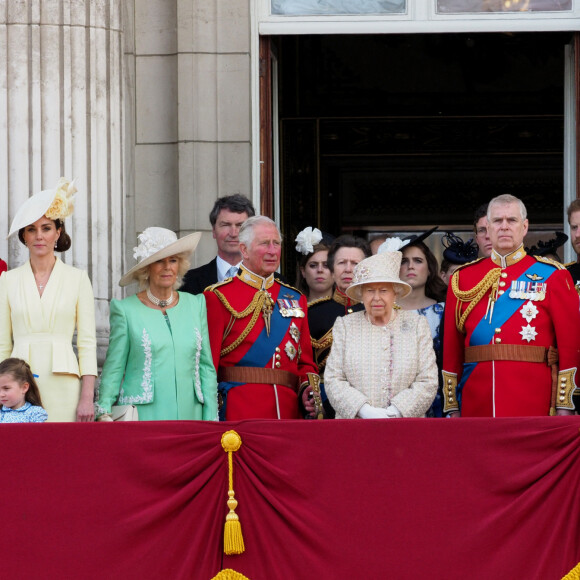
{"points": [[61, 113]]}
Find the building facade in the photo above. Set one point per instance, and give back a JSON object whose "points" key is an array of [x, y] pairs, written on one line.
{"points": [[157, 107]]}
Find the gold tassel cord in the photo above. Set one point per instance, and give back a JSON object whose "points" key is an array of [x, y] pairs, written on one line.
{"points": [[473, 296], [574, 574], [229, 574], [233, 539]]}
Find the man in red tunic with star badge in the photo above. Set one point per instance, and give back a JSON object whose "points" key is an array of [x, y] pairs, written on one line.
{"points": [[512, 328], [259, 335]]}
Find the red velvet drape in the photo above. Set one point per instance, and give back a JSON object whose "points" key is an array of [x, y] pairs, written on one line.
{"points": [[410, 498]]}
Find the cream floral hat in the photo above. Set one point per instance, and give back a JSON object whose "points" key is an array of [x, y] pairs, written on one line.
{"points": [[156, 244], [55, 204], [381, 268]]}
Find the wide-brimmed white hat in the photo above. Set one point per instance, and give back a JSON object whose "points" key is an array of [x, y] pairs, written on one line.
{"points": [[57, 203], [381, 268], [156, 244]]}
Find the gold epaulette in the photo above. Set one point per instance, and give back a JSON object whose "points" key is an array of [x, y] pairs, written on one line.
{"points": [[212, 287], [469, 264], [319, 301], [288, 286], [551, 262]]}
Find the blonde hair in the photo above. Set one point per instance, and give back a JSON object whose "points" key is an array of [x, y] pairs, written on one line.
{"points": [[142, 275]]}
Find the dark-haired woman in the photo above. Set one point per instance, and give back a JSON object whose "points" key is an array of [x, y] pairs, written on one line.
{"points": [[43, 302], [419, 268]]}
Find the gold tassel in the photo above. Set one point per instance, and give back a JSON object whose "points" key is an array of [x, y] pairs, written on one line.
{"points": [[574, 574], [233, 539], [229, 574]]}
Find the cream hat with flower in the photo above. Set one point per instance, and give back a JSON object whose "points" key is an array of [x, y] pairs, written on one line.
{"points": [[381, 268], [55, 204], [156, 244]]}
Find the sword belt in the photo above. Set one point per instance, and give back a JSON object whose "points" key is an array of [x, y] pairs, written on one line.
{"points": [[259, 375], [513, 352]]}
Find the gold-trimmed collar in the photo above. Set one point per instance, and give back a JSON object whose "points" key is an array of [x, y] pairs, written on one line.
{"points": [[509, 259], [253, 280], [343, 299]]}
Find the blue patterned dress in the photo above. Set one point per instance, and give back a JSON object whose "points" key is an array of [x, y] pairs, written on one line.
{"points": [[26, 414], [434, 316]]}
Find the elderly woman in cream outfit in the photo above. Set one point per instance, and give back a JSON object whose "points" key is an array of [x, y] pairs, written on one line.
{"points": [[43, 302], [159, 356], [382, 363]]}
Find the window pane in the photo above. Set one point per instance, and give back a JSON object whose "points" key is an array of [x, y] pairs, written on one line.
{"points": [[461, 6], [331, 7]]}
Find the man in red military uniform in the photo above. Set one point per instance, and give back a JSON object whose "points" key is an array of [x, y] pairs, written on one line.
{"points": [[259, 334], [505, 316]]}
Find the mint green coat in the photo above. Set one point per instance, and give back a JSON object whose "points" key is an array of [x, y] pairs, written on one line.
{"points": [[164, 369]]}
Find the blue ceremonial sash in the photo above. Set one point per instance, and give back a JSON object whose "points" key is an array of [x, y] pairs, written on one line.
{"points": [[264, 346], [505, 307]]}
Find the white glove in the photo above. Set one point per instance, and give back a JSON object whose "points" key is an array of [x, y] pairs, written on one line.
{"points": [[369, 412], [393, 412]]}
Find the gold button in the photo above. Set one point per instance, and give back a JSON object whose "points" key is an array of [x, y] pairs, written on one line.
{"points": [[562, 399], [500, 292], [451, 399], [349, 310], [497, 330], [498, 340], [277, 349], [278, 357], [563, 380], [502, 284], [277, 365]]}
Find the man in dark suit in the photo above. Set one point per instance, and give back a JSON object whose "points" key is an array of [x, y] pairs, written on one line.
{"points": [[226, 218], [574, 221]]}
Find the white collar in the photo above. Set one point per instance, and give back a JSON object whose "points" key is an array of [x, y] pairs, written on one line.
{"points": [[223, 267]]}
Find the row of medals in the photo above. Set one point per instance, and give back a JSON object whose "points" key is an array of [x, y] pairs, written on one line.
{"points": [[290, 308], [535, 291]]}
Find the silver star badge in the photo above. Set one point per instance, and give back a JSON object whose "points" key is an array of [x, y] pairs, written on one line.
{"points": [[528, 333], [290, 350], [529, 311], [295, 333]]}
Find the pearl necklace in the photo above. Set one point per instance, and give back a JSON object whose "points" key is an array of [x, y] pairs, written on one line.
{"points": [[157, 301]]}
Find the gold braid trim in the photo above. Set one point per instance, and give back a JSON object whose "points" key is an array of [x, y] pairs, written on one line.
{"points": [[473, 296], [323, 342], [255, 307]]}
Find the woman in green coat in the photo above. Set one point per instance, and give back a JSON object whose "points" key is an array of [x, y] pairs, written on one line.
{"points": [[159, 357]]}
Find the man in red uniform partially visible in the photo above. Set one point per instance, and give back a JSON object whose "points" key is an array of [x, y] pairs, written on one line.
{"points": [[505, 316], [259, 334]]}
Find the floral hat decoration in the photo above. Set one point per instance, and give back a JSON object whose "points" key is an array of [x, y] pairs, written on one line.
{"points": [[158, 243], [381, 268], [310, 237], [307, 239], [55, 204]]}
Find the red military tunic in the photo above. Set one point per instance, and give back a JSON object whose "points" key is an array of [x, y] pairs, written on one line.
{"points": [[536, 306], [290, 351]]}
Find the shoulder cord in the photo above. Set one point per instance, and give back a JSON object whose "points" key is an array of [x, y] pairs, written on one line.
{"points": [[473, 296], [255, 307]]}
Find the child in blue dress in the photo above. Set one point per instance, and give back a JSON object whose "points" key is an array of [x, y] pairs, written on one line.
{"points": [[19, 394]]}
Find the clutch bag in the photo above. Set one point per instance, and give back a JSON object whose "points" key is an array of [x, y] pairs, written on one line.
{"points": [[124, 413]]}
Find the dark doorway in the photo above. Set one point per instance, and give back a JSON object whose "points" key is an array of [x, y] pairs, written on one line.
{"points": [[395, 132]]}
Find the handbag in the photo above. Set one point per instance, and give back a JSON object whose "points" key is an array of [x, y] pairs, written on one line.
{"points": [[124, 413]]}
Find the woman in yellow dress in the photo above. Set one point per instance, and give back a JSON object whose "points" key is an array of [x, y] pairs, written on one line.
{"points": [[43, 302]]}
